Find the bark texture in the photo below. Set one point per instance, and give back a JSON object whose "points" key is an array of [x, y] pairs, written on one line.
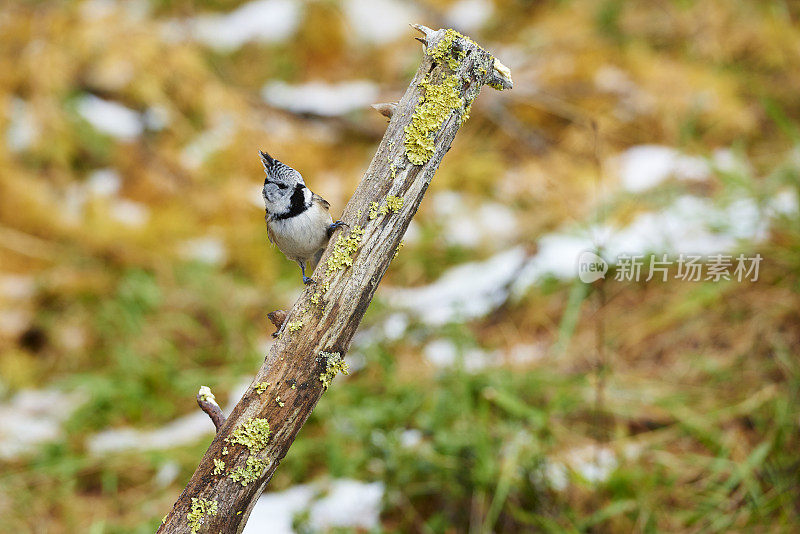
{"points": [[256, 436]]}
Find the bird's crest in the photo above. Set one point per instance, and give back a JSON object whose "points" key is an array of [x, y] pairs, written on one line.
{"points": [[267, 160]]}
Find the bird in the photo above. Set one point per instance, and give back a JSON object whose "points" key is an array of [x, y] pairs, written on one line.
{"points": [[298, 220]]}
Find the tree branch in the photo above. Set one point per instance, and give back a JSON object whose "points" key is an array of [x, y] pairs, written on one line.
{"points": [[208, 403], [317, 331]]}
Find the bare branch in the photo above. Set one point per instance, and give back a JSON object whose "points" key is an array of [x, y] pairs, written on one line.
{"points": [[316, 333], [278, 317], [386, 108], [424, 30], [208, 403]]}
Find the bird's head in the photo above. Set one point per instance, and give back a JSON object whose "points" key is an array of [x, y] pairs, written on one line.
{"points": [[279, 185]]}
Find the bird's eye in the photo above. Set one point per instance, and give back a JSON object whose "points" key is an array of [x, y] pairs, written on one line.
{"points": [[281, 186]]}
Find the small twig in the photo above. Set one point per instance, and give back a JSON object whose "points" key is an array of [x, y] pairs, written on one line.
{"points": [[208, 403], [385, 108], [277, 318]]}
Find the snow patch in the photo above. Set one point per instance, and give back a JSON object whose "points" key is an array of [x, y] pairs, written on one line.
{"points": [[491, 222], [380, 21], [207, 143], [34, 417], [265, 21], [469, 16], [130, 213], [17, 286], [645, 166], [340, 503], [104, 182], [464, 292], [110, 118], [209, 250], [184, 430], [319, 98], [23, 128]]}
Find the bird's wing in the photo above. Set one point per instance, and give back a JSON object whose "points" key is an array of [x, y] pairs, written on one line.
{"points": [[324, 203], [269, 235]]}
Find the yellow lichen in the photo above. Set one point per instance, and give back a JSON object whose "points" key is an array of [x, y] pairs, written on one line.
{"points": [[344, 249], [294, 326], [442, 52], [334, 364], [250, 472], [253, 434], [393, 203], [436, 103], [224, 451], [279, 401], [396, 252], [219, 466], [200, 508], [373, 210], [261, 387], [467, 111]]}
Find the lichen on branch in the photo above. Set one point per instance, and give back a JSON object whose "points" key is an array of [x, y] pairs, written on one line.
{"points": [[436, 104]]}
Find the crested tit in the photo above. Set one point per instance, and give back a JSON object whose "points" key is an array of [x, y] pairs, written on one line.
{"points": [[298, 220]]}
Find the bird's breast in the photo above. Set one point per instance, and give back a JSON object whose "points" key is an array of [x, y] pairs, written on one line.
{"points": [[301, 236]]}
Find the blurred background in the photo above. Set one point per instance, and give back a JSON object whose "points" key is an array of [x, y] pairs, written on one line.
{"points": [[490, 389]]}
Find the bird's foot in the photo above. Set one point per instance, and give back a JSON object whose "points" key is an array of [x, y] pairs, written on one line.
{"points": [[335, 226], [307, 280]]}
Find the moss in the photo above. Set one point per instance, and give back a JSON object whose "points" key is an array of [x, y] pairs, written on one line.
{"points": [[254, 434], [344, 249], [200, 508], [436, 103], [219, 466], [334, 364], [250, 472], [261, 387]]}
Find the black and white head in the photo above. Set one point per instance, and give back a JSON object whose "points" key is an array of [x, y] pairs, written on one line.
{"points": [[281, 185]]}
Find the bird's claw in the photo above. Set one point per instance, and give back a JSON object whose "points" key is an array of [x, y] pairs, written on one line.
{"points": [[335, 226], [307, 280]]}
